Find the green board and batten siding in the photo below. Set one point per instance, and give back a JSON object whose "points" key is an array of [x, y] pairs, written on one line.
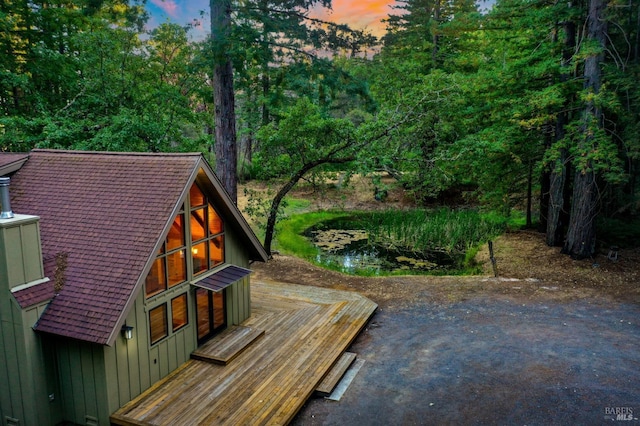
{"points": [[82, 379], [238, 294], [25, 376]]}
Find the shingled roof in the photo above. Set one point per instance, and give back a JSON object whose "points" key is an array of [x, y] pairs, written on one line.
{"points": [[103, 214], [11, 161]]}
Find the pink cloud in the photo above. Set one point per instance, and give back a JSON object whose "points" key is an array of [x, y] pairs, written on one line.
{"points": [[168, 6], [358, 14]]}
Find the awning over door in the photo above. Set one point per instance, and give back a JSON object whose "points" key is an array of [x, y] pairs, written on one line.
{"points": [[222, 279]]}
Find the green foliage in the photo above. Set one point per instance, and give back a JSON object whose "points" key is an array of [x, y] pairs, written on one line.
{"points": [[279, 55], [96, 83], [258, 207], [304, 137], [492, 101], [452, 231], [458, 232], [623, 233]]}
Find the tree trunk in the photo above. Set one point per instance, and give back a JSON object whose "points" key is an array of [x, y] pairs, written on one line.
{"points": [[435, 38], [558, 209], [556, 216], [545, 186], [581, 236], [224, 99], [282, 192], [266, 87], [266, 57], [529, 194]]}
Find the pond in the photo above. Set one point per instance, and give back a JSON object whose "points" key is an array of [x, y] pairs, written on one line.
{"points": [[343, 245]]}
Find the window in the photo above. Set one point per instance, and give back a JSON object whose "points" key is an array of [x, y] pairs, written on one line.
{"points": [[158, 323], [196, 196], [207, 233], [170, 267], [156, 282], [197, 236], [179, 315]]}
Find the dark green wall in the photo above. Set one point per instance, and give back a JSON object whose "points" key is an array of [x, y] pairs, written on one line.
{"points": [[25, 380], [24, 385]]}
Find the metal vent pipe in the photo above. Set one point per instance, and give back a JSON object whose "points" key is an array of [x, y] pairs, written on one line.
{"points": [[5, 199]]}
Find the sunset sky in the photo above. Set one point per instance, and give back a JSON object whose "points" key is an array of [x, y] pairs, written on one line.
{"points": [[358, 14]]}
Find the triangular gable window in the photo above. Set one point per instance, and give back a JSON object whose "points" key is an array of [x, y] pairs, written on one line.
{"points": [[169, 268], [202, 236], [207, 233]]}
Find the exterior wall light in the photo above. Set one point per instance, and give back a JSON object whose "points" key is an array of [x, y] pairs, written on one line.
{"points": [[127, 332]]}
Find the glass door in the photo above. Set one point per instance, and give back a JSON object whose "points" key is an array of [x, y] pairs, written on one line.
{"points": [[210, 313]]}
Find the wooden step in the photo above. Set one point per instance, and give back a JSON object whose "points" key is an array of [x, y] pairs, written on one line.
{"points": [[224, 347], [335, 374]]}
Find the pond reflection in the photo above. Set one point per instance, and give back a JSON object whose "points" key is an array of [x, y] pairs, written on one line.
{"points": [[350, 251]]}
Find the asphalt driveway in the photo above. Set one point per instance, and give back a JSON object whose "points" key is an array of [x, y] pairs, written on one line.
{"points": [[493, 360]]}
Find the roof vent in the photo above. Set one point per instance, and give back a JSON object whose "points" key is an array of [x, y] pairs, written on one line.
{"points": [[5, 200]]}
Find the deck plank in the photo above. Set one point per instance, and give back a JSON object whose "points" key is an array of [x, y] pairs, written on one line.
{"points": [[226, 346], [335, 374], [306, 330]]}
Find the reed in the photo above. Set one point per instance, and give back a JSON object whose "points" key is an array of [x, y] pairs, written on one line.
{"points": [[447, 230], [458, 233]]}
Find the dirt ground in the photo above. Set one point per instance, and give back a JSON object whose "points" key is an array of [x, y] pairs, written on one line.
{"points": [[526, 265], [549, 341]]}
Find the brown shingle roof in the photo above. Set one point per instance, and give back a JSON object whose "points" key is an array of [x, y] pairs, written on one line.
{"points": [[105, 212], [35, 294], [11, 161]]}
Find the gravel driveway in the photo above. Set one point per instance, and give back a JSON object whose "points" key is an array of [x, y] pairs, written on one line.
{"points": [[493, 360]]}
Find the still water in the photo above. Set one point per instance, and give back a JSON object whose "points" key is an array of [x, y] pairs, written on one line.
{"points": [[343, 247]]}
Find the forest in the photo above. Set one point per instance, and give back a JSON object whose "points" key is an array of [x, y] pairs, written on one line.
{"points": [[533, 105]]}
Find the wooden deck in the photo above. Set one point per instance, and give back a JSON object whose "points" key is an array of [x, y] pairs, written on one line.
{"points": [[227, 345], [306, 331]]}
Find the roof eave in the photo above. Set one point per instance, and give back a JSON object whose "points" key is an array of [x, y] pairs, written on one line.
{"points": [[13, 166]]}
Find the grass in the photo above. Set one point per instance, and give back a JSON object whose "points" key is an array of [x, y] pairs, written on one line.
{"points": [[289, 238], [457, 232], [295, 206], [451, 231]]}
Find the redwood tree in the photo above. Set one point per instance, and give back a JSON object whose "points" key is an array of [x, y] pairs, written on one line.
{"points": [[224, 99], [557, 215], [581, 235]]}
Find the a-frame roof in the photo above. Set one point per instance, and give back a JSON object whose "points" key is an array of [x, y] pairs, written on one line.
{"points": [[101, 217]]}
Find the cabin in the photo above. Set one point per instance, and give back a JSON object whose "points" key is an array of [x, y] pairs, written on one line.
{"points": [[114, 268]]}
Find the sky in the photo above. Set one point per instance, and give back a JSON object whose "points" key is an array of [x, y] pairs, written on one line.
{"points": [[357, 14]]}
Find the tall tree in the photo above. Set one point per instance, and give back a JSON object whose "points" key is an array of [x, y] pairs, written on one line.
{"points": [[224, 97], [556, 211], [99, 84], [303, 140], [581, 235]]}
